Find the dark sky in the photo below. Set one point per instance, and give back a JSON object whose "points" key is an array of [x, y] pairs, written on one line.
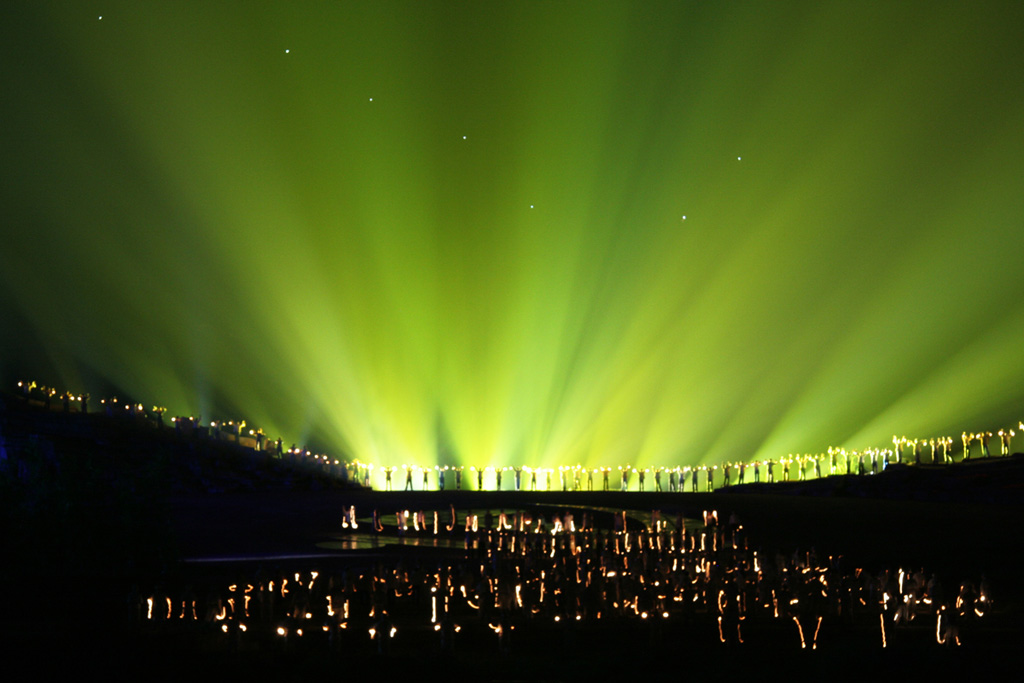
{"points": [[555, 232]]}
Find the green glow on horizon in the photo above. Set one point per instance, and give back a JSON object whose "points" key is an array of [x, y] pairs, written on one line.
{"points": [[397, 228]]}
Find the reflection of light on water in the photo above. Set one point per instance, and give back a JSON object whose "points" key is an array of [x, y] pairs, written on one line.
{"points": [[557, 567], [361, 541]]}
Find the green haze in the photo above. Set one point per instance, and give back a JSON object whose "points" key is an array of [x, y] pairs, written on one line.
{"points": [[397, 228]]}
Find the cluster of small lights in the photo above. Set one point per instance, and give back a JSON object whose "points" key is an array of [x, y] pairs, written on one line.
{"points": [[836, 461]]}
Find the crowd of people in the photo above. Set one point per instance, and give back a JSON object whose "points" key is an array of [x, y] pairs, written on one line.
{"points": [[523, 572], [693, 478]]}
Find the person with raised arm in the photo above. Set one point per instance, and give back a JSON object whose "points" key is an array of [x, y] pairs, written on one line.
{"points": [[1004, 441], [983, 438], [711, 478]]}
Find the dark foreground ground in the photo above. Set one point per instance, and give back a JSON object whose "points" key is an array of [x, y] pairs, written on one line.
{"points": [[97, 513]]}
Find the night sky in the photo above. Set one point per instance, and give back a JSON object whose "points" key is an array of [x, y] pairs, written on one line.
{"points": [[537, 233]]}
